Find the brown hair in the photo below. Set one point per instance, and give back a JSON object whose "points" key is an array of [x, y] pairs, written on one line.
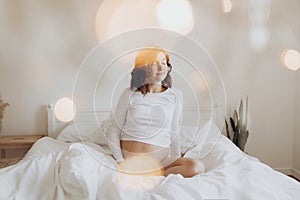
{"points": [[145, 57]]}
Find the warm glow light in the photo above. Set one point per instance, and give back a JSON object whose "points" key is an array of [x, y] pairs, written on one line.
{"points": [[175, 15], [64, 109], [117, 16], [138, 172], [291, 59], [226, 6]]}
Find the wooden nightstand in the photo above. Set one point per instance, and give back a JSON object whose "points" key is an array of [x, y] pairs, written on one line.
{"points": [[17, 142]]}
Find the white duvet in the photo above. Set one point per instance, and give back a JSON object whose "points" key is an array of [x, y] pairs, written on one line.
{"points": [[56, 170]]}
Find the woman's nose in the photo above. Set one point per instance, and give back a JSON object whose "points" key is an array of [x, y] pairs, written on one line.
{"points": [[159, 67]]}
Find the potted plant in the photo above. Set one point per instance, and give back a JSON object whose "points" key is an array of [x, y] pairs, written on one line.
{"points": [[3, 105], [238, 132]]}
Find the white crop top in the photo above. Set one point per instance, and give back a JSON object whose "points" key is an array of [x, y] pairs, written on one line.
{"points": [[152, 119]]}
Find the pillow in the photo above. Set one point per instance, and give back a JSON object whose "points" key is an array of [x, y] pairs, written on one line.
{"points": [[87, 131], [187, 134], [100, 136], [83, 131], [192, 136]]}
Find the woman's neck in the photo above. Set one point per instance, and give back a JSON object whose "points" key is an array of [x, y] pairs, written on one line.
{"points": [[155, 88]]}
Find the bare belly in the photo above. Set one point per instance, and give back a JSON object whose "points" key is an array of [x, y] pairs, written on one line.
{"points": [[134, 148]]}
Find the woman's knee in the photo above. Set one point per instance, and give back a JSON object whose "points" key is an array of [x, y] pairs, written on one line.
{"points": [[195, 166]]}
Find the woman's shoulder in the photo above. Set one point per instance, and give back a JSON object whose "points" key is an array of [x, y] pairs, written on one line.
{"points": [[177, 93], [128, 90]]}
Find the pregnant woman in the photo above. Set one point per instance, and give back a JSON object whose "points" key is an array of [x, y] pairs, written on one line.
{"points": [[147, 116]]}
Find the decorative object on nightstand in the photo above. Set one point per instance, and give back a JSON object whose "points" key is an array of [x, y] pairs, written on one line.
{"points": [[17, 142], [3, 105], [238, 124], [5, 162]]}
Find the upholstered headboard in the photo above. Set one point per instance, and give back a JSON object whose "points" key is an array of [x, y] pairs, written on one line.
{"points": [[190, 116]]}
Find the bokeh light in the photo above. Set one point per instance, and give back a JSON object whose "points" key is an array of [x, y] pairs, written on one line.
{"points": [[139, 172], [118, 16], [64, 109], [290, 58], [226, 6], [258, 38], [175, 15]]}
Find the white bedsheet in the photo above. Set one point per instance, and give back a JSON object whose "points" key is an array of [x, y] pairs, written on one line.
{"points": [[57, 170]]}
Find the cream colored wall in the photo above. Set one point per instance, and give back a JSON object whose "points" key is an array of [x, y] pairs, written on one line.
{"points": [[44, 43], [42, 46], [269, 86], [296, 163]]}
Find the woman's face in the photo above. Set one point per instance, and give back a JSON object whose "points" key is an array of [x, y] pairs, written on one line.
{"points": [[158, 71]]}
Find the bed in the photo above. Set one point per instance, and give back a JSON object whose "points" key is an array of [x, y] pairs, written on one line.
{"points": [[66, 165]]}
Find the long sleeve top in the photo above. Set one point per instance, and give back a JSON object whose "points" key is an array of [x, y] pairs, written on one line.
{"points": [[153, 119]]}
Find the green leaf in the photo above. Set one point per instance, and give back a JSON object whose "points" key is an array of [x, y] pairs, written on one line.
{"points": [[241, 114], [236, 119], [242, 139], [246, 115], [232, 124], [235, 137], [227, 129]]}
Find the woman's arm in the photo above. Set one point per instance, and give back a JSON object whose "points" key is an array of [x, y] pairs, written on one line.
{"points": [[175, 147], [119, 117]]}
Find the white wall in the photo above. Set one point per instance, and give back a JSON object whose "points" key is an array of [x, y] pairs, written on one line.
{"points": [[44, 43], [42, 46], [296, 163], [269, 86]]}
